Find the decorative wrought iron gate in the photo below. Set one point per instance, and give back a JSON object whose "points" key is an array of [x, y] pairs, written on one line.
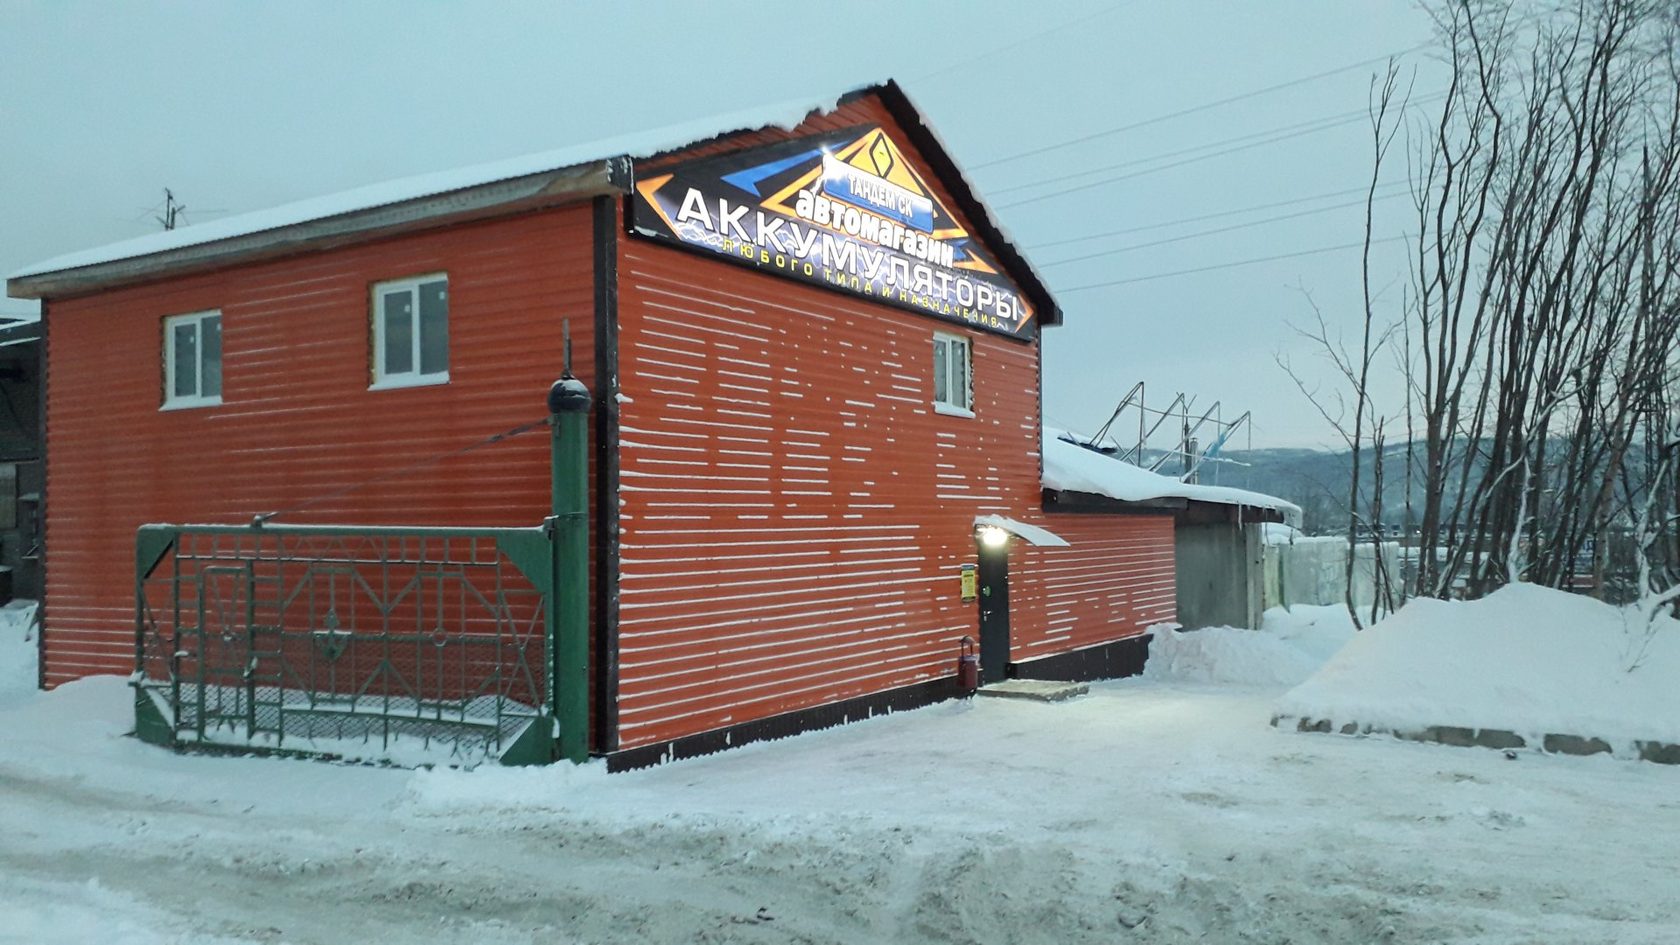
{"points": [[411, 645]]}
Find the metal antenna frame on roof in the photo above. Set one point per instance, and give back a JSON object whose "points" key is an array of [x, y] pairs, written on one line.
{"points": [[1186, 450]]}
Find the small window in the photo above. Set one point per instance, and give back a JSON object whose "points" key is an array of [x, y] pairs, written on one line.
{"points": [[192, 360], [411, 332], [953, 389]]}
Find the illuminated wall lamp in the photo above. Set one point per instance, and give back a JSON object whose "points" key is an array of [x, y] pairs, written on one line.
{"points": [[992, 536]]}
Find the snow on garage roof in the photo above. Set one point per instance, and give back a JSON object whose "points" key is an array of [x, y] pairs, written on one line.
{"points": [[1071, 467]]}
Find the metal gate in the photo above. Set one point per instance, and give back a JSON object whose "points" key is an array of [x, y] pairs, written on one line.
{"points": [[405, 645]]}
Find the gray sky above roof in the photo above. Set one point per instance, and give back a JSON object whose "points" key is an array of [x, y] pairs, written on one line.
{"points": [[237, 107]]}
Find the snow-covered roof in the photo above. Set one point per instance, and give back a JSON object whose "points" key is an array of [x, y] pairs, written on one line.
{"points": [[1071, 467], [369, 209], [636, 144]]}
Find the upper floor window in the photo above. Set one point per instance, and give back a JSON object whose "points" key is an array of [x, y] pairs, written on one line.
{"points": [[192, 360], [411, 331], [953, 389]]}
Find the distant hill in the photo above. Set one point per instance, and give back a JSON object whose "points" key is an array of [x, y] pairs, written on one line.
{"points": [[1316, 480]]}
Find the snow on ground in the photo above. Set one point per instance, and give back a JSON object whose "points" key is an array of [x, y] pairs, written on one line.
{"points": [[1526, 659], [18, 651], [1148, 811], [1291, 644]]}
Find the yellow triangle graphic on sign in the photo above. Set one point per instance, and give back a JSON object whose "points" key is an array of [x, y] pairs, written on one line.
{"points": [[877, 154]]}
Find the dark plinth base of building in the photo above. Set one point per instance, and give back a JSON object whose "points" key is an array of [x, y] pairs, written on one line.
{"points": [[789, 723], [1104, 661]]}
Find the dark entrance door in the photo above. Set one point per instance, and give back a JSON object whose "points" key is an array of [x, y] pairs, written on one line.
{"points": [[993, 575]]}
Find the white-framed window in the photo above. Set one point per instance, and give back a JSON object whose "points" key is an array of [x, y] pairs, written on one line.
{"points": [[411, 331], [953, 383], [192, 360]]}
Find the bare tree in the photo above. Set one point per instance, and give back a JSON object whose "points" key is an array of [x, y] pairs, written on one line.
{"points": [[1538, 333]]}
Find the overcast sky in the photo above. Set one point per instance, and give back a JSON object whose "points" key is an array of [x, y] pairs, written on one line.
{"points": [[241, 106]]}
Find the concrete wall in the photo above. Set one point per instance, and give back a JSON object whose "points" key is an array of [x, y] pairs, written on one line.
{"points": [[1219, 575]]}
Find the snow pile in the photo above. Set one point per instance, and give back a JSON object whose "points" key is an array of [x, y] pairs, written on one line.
{"points": [[18, 650], [1291, 644], [1525, 659], [1071, 467], [552, 788], [45, 913]]}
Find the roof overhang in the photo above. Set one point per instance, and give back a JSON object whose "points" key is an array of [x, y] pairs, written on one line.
{"points": [[571, 181], [479, 202], [1031, 534], [1184, 511]]}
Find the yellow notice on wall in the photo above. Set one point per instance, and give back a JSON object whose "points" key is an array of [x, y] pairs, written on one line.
{"points": [[970, 582]]}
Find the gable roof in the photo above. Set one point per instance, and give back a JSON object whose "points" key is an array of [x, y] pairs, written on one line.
{"points": [[482, 191]]}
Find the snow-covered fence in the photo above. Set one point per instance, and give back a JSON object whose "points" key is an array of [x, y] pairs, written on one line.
{"points": [[1301, 570]]}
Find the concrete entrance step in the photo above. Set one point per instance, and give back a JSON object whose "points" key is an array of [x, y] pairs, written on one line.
{"points": [[1037, 690]]}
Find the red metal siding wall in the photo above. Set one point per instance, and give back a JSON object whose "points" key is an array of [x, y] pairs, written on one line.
{"points": [[795, 513], [1115, 579], [297, 419]]}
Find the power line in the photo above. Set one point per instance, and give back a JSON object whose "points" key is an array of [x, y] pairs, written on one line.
{"points": [[1199, 108], [1176, 164], [1223, 229], [1215, 216], [1133, 162], [1076, 188], [1304, 127], [1231, 265], [970, 60]]}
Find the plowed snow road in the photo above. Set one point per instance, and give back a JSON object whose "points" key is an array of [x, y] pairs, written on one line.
{"points": [[1144, 812]]}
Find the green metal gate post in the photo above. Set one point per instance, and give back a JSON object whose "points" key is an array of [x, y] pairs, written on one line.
{"points": [[151, 543], [569, 405]]}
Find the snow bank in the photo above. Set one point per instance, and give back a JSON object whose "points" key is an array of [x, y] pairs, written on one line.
{"points": [[551, 788], [1072, 467], [1291, 644], [1525, 659], [18, 650], [43, 912]]}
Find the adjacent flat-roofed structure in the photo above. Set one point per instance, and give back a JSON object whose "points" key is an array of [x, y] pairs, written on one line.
{"points": [[1217, 541]]}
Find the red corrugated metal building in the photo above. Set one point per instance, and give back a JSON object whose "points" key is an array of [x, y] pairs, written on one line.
{"points": [[816, 364]]}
